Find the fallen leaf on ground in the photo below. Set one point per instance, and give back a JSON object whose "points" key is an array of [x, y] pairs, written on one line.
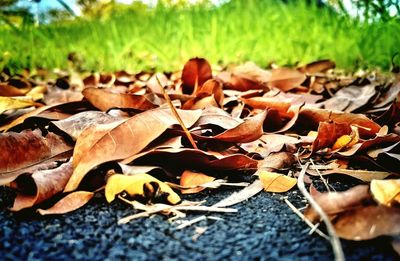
{"points": [[43, 183], [368, 222], [275, 182], [94, 147], [28, 148], [69, 203], [195, 73], [136, 185], [387, 191], [194, 179]]}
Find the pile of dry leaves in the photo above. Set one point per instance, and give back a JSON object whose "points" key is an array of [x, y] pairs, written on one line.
{"points": [[149, 137]]}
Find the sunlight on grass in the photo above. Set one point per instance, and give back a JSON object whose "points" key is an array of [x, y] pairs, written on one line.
{"points": [[163, 38]]}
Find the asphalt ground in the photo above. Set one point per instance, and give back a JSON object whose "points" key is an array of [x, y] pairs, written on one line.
{"points": [[264, 228]]}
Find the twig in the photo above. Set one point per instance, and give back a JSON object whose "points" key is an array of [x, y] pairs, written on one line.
{"points": [[334, 239], [308, 222], [188, 223], [322, 178], [172, 107]]}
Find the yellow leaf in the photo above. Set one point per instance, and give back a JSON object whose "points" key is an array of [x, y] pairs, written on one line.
{"points": [[386, 191], [342, 142], [194, 179], [346, 141], [133, 185], [9, 103], [274, 182]]}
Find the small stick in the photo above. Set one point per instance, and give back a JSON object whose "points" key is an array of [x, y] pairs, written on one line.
{"points": [[205, 208], [172, 107], [335, 242], [188, 223], [308, 222]]}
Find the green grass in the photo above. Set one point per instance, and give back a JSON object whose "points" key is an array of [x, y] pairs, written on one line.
{"points": [[164, 38]]}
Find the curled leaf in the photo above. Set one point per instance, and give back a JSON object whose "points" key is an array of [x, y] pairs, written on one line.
{"points": [[195, 73], [69, 203], [44, 183]]}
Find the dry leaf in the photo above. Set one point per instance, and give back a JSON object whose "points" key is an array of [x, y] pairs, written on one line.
{"points": [[387, 191], [104, 100], [44, 183], [194, 74], [69, 203], [28, 148], [194, 179], [286, 79], [135, 185], [337, 202], [122, 140], [275, 182], [11, 103], [317, 66], [311, 117], [368, 222], [77, 123]]}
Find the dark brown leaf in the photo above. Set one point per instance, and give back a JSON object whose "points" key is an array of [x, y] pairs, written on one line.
{"points": [[194, 74]]}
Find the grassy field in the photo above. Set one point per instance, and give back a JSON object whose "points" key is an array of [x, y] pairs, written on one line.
{"points": [[164, 37]]}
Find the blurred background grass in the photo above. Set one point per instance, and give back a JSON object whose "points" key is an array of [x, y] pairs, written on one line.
{"points": [[164, 36]]}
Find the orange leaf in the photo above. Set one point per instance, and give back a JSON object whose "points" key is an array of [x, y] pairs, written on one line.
{"points": [[275, 182], [69, 203], [195, 73], [194, 179]]}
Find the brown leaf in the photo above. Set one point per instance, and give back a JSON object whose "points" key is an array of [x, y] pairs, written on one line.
{"points": [[270, 143], [184, 158], [364, 175], [22, 118], [119, 141], [311, 117], [250, 130], [245, 77], [104, 100], [351, 98], [28, 148], [77, 123], [195, 73], [328, 133], [368, 222], [194, 179], [286, 79], [69, 203], [44, 183], [378, 141], [276, 161], [336, 202], [317, 66], [7, 90]]}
